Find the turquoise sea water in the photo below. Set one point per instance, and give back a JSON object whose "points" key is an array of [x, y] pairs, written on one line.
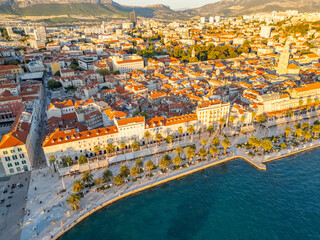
{"points": [[229, 201]]}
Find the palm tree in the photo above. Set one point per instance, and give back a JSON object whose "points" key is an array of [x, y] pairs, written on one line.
{"points": [[305, 125], [309, 103], [190, 153], [222, 121], [74, 201], [122, 145], [226, 143], [77, 186], [287, 131], [134, 172], [202, 153], [316, 129], [83, 159], [165, 162], [135, 146], [158, 138], [266, 145], [191, 130], [215, 142], [98, 182], [149, 166], [307, 135], [214, 150], [147, 135], [107, 175], [52, 161], [177, 160], [299, 133], [96, 149], [170, 139], [210, 130], [138, 163], [67, 161], [180, 131], [87, 177], [203, 142], [178, 150], [254, 114], [124, 171], [110, 148], [118, 180]]}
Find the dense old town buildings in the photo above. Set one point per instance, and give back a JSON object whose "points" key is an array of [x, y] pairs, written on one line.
{"points": [[110, 84]]}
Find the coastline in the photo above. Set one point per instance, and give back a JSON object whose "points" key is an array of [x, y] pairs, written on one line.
{"points": [[180, 175]]}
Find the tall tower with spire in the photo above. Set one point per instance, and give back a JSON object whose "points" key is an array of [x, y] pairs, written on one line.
{"points": [[284, 60], [133, 18]]}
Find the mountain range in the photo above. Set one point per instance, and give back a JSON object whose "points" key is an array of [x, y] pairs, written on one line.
{"points": [[111, 9]]}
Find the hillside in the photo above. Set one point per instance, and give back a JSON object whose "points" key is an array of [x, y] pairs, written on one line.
{"points": [[241, 7], [97, 8]]}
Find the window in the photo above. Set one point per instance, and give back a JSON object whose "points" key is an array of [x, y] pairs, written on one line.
{"points": [[5, 152], [9, 164], [23, 162], [14, 157], [19, 149], [16, 164], [12, 151], [11, 170], [21, 155], [7, 159]]}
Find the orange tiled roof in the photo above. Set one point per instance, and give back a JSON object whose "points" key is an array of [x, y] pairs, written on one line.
{"points": [[60, 137], [126, 121]]}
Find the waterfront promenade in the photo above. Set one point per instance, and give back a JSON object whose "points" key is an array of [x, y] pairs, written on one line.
{"points": [[50, 217]]}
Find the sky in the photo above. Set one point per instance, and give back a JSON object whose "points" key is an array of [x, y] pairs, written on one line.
{"points": [[174, 4]]}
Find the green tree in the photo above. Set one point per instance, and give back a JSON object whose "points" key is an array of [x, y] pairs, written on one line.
{"points": [[202, 153], [165, 162], [74, 201], [210, 130], [96, 149], [122, 145], [118, 180], [134, 172], [180, 131], [190, 153], [77, 186], [191, 130], [266, 145], [67, 161], [135, 146], [110, 148], [203, 142], [170, 139], [83, 159], [86, 177], [226, 143], [158, 138], [214, 150], [147, 136], [149, 166], [287, 131], [124, 171], [215, 142], [177, 160], [98, 182], [52, 161], [107, 175]]}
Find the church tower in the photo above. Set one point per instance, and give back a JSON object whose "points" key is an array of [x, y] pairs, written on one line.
{"points": [[284, 60]]}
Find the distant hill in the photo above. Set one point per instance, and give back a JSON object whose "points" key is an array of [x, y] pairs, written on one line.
{"points": [[241, 7], [105, 8]]}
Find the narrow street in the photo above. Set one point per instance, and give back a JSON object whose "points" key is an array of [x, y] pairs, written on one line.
{"points": [[39, 157]]}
